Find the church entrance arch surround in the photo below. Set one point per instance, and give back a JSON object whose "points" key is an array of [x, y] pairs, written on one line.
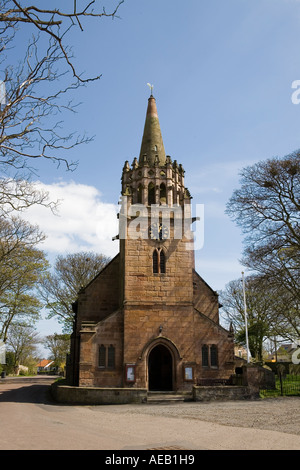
{"points": [[162, 358]]}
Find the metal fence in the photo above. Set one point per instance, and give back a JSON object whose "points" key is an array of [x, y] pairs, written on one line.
{"points": [[285, 385]]}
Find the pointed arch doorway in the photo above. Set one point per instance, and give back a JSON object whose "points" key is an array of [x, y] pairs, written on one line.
{"points": [[160, 369]]}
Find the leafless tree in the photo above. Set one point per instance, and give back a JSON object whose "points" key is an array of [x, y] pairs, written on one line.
{"points": [[23, 342], [55, 22], [60, 288], [37, 81], [267, 208], [18, 194], [269, 313]]}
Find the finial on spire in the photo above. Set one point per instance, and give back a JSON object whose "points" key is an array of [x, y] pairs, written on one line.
{"points": [[152, 143], [151, 88]]}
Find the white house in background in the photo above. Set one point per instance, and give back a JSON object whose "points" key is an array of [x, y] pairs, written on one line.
{"points": [[44, 365]]}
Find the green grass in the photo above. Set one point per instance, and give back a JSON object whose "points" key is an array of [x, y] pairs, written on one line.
{"points": [[290, 387]]}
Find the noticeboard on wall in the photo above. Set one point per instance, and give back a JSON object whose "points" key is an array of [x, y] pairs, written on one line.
{"points": [[130, 373], [188, 373]]}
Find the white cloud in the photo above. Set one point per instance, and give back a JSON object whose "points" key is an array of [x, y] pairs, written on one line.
{"points": [[83, 222]]}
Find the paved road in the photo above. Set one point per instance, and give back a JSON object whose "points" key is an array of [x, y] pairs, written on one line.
{"points": [[30, 420]]}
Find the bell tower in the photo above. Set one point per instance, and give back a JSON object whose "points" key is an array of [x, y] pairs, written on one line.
{"points": [[155, 218], [156, 246]]}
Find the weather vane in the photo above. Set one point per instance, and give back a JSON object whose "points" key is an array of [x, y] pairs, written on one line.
{"points": [[151, 87]]}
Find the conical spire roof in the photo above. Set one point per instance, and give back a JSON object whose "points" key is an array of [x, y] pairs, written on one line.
{"points": [[152, 143]]}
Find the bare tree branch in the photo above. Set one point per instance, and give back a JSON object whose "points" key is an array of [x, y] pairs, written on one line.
{"points": [[35, 90], [55, 22], [23, 134], [267, 208]]}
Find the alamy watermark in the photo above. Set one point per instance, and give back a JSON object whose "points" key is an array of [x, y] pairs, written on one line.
{"points": [[296, 94], [2, 352], [161, 223], [296, 355], [2, 93]]}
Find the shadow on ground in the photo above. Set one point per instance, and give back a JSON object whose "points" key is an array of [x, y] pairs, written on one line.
{"points": [[27, 393]]}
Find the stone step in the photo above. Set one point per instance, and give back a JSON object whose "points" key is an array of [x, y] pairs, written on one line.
{"points": [[167, 397]]}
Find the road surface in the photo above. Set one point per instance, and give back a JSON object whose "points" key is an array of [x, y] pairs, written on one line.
{"points": [[30, 420]]}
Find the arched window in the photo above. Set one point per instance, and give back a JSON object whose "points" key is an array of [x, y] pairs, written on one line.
{"points": [[213, 356], [162, 194], [162, 262], [106, 357], [209, 356], [151, 194], [159, 261], [111, 357], [102, 356], [204, 356], [155, 261], [139, 194]]}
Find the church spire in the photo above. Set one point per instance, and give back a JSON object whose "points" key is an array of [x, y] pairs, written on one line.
{"points": [[152, 144]]}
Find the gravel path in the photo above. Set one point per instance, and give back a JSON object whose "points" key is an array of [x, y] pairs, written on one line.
{"points": [[275, 414]]}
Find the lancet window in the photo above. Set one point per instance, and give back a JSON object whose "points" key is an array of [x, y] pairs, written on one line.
{"points": [[106, 357], [159, 261], [140, 194], [209, 355], [162, 194], [151, 194]]}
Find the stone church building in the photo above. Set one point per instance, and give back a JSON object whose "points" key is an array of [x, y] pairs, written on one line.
{"points": [[148, 320]]}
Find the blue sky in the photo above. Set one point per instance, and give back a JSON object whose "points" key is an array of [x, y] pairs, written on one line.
{"points": [[222, 74]]}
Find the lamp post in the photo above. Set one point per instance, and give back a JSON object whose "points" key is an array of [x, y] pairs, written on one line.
{"points": [[246, 323]]}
